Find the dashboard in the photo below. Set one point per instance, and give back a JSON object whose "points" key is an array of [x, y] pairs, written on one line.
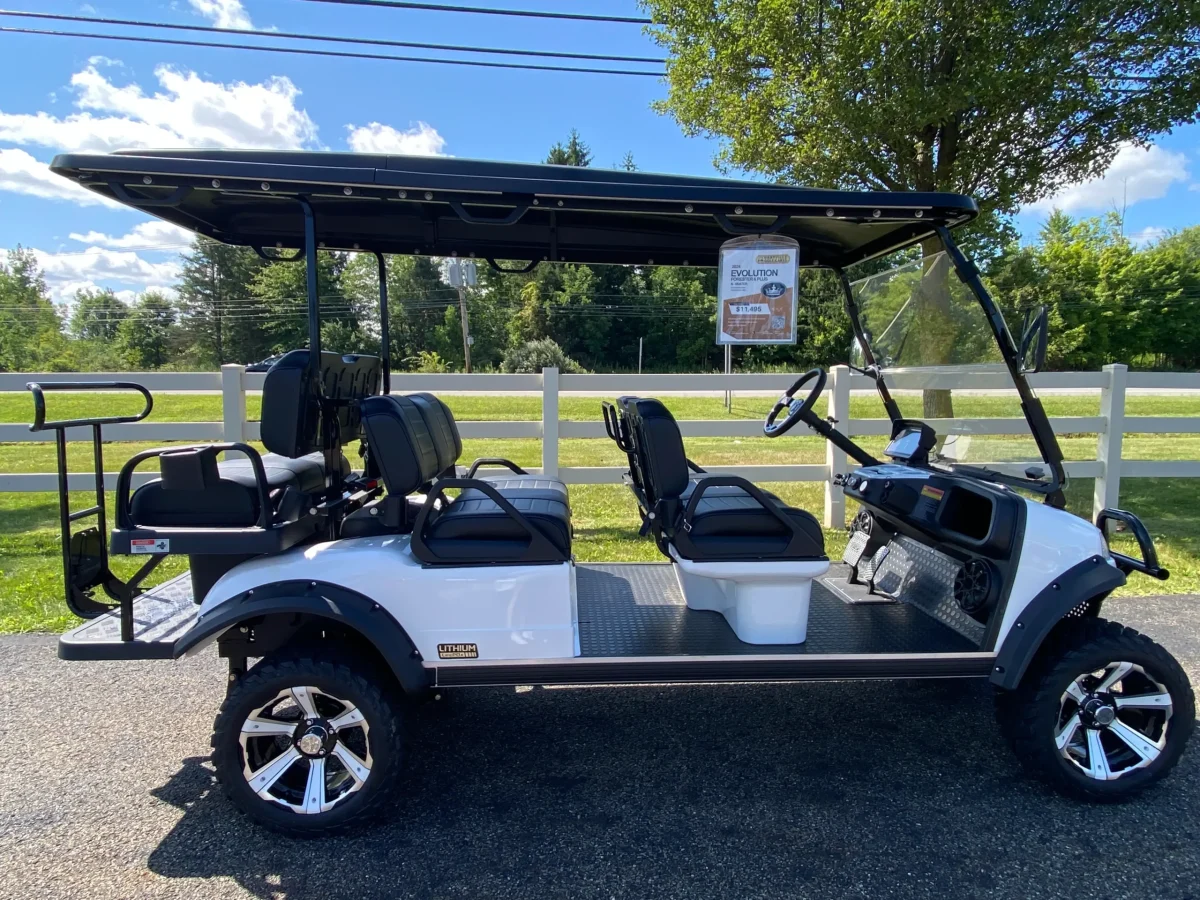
{"points": [[950, 509]]}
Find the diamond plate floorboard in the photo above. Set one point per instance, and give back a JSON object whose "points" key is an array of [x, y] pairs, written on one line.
{"points": [[637, 609]]}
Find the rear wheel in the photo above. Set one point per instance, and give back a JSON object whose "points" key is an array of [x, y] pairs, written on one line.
{"points": [[1103, 715], [307, 747]]}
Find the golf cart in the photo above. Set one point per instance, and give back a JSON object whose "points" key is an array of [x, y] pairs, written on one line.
{"points": [[335, 591]]}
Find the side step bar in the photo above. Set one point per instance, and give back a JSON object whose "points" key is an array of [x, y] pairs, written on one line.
{"points": [[160, 617]]}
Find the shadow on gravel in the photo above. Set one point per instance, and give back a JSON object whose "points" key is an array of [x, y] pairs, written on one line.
{"points": [[897, 789]]}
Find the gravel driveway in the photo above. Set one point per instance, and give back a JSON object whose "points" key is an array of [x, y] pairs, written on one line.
{"points": [[841, 790]]}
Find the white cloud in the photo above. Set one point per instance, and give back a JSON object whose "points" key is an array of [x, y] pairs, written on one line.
{"points": [[68, 272], [188, 112], [421, 139], [1136, 174], [153, 235], [1148, 235], [20, 173], [65, 292], [223, 13]]}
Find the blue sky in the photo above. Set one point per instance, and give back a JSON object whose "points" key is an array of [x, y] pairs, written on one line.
{"points": [[61, 93]]}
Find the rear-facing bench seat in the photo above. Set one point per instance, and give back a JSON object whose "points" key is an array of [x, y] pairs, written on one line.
{"points": [[226, 495], [509, 518]]}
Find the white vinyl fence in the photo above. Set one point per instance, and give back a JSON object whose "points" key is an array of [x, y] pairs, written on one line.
{"points": [[1108, 468]]}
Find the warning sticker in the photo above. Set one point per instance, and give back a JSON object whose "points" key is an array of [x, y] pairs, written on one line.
{"points": [[932, 493], [150, 545]]}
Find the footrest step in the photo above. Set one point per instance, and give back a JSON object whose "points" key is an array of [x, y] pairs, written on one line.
{"points": [[160, 617]]}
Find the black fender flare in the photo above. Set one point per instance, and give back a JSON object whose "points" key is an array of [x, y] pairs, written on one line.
{"points": [[355, 611], [1084, 581]]}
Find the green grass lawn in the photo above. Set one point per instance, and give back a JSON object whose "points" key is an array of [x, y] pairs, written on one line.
{"points": [[604, 516]]}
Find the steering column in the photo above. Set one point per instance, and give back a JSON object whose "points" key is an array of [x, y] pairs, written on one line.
{"points": [[802, 411]]}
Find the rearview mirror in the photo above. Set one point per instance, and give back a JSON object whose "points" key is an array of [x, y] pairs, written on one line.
{"points": [[1034, 330]]}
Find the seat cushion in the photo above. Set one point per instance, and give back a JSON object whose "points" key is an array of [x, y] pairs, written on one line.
{"points": [[474, 528], [721, 491], [233, 501], [510, 485], [730, 524]]}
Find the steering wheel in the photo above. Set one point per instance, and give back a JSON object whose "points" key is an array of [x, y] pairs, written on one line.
{"points": [[797, 410]]}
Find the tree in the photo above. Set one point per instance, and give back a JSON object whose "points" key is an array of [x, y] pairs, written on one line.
{"points": [[29, 324], [97, 315], [627, 162], [147, 334], [222, 320], [1003, 100], [574, 153], [281, 291]]}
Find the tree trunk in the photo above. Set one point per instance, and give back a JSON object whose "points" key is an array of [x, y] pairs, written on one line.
{"points": [[936, 350]]}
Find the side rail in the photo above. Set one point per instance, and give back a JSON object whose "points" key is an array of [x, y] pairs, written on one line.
{"points": [[85, 553]]}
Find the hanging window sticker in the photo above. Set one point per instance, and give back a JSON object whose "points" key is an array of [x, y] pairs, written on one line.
{"points": [[756, 291]]}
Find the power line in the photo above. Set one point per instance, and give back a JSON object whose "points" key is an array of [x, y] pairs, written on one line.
{"points": [[300, 36], [340, 54], [527, 13]]}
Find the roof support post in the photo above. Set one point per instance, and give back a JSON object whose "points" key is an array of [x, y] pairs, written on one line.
{"points": [[385, 340], [314, 304]]}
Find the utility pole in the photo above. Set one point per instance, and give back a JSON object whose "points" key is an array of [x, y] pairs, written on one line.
{"points": [[462, 275]]}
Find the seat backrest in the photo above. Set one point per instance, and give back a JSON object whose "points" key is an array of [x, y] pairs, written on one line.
{"points": [[291, 415], [402, 446], [657, 448], [442, 427]]}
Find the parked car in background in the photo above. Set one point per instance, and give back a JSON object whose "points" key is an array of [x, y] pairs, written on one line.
{"points": [[263, 365]]}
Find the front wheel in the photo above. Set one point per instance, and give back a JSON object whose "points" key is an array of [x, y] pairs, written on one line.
{"points": [[1103, 715], [307, 747]]}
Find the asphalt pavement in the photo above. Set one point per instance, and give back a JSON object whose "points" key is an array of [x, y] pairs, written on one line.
{"points": [[869, 790]]}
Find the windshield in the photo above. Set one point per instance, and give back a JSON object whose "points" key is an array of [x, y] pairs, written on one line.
{"points": [[929, 331], [920, 315]]}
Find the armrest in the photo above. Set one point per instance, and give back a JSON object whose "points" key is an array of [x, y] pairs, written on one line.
{"points": [[758, 496], [541, 550], [124, 516], [494, 461]]}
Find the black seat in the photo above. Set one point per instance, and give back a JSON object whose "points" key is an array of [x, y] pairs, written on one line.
{"points": [[225, 494], [415, 445], [712, 518]]}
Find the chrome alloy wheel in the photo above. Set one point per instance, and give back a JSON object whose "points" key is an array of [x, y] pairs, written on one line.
{"points": [[306, 750], [1113, 721]]}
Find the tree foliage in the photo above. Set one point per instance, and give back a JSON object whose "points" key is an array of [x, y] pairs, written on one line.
{"points": [[148, 334], [1004, 100], [97, 315]]}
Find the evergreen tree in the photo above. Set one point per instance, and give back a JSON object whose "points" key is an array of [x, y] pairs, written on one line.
{"points": [[221, 319], [573, 153]]}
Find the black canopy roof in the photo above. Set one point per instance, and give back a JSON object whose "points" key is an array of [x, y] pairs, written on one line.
{"points": [[441, 206]]}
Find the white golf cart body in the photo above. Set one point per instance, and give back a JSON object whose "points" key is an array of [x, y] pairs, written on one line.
{"points": [[950, 571]]}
